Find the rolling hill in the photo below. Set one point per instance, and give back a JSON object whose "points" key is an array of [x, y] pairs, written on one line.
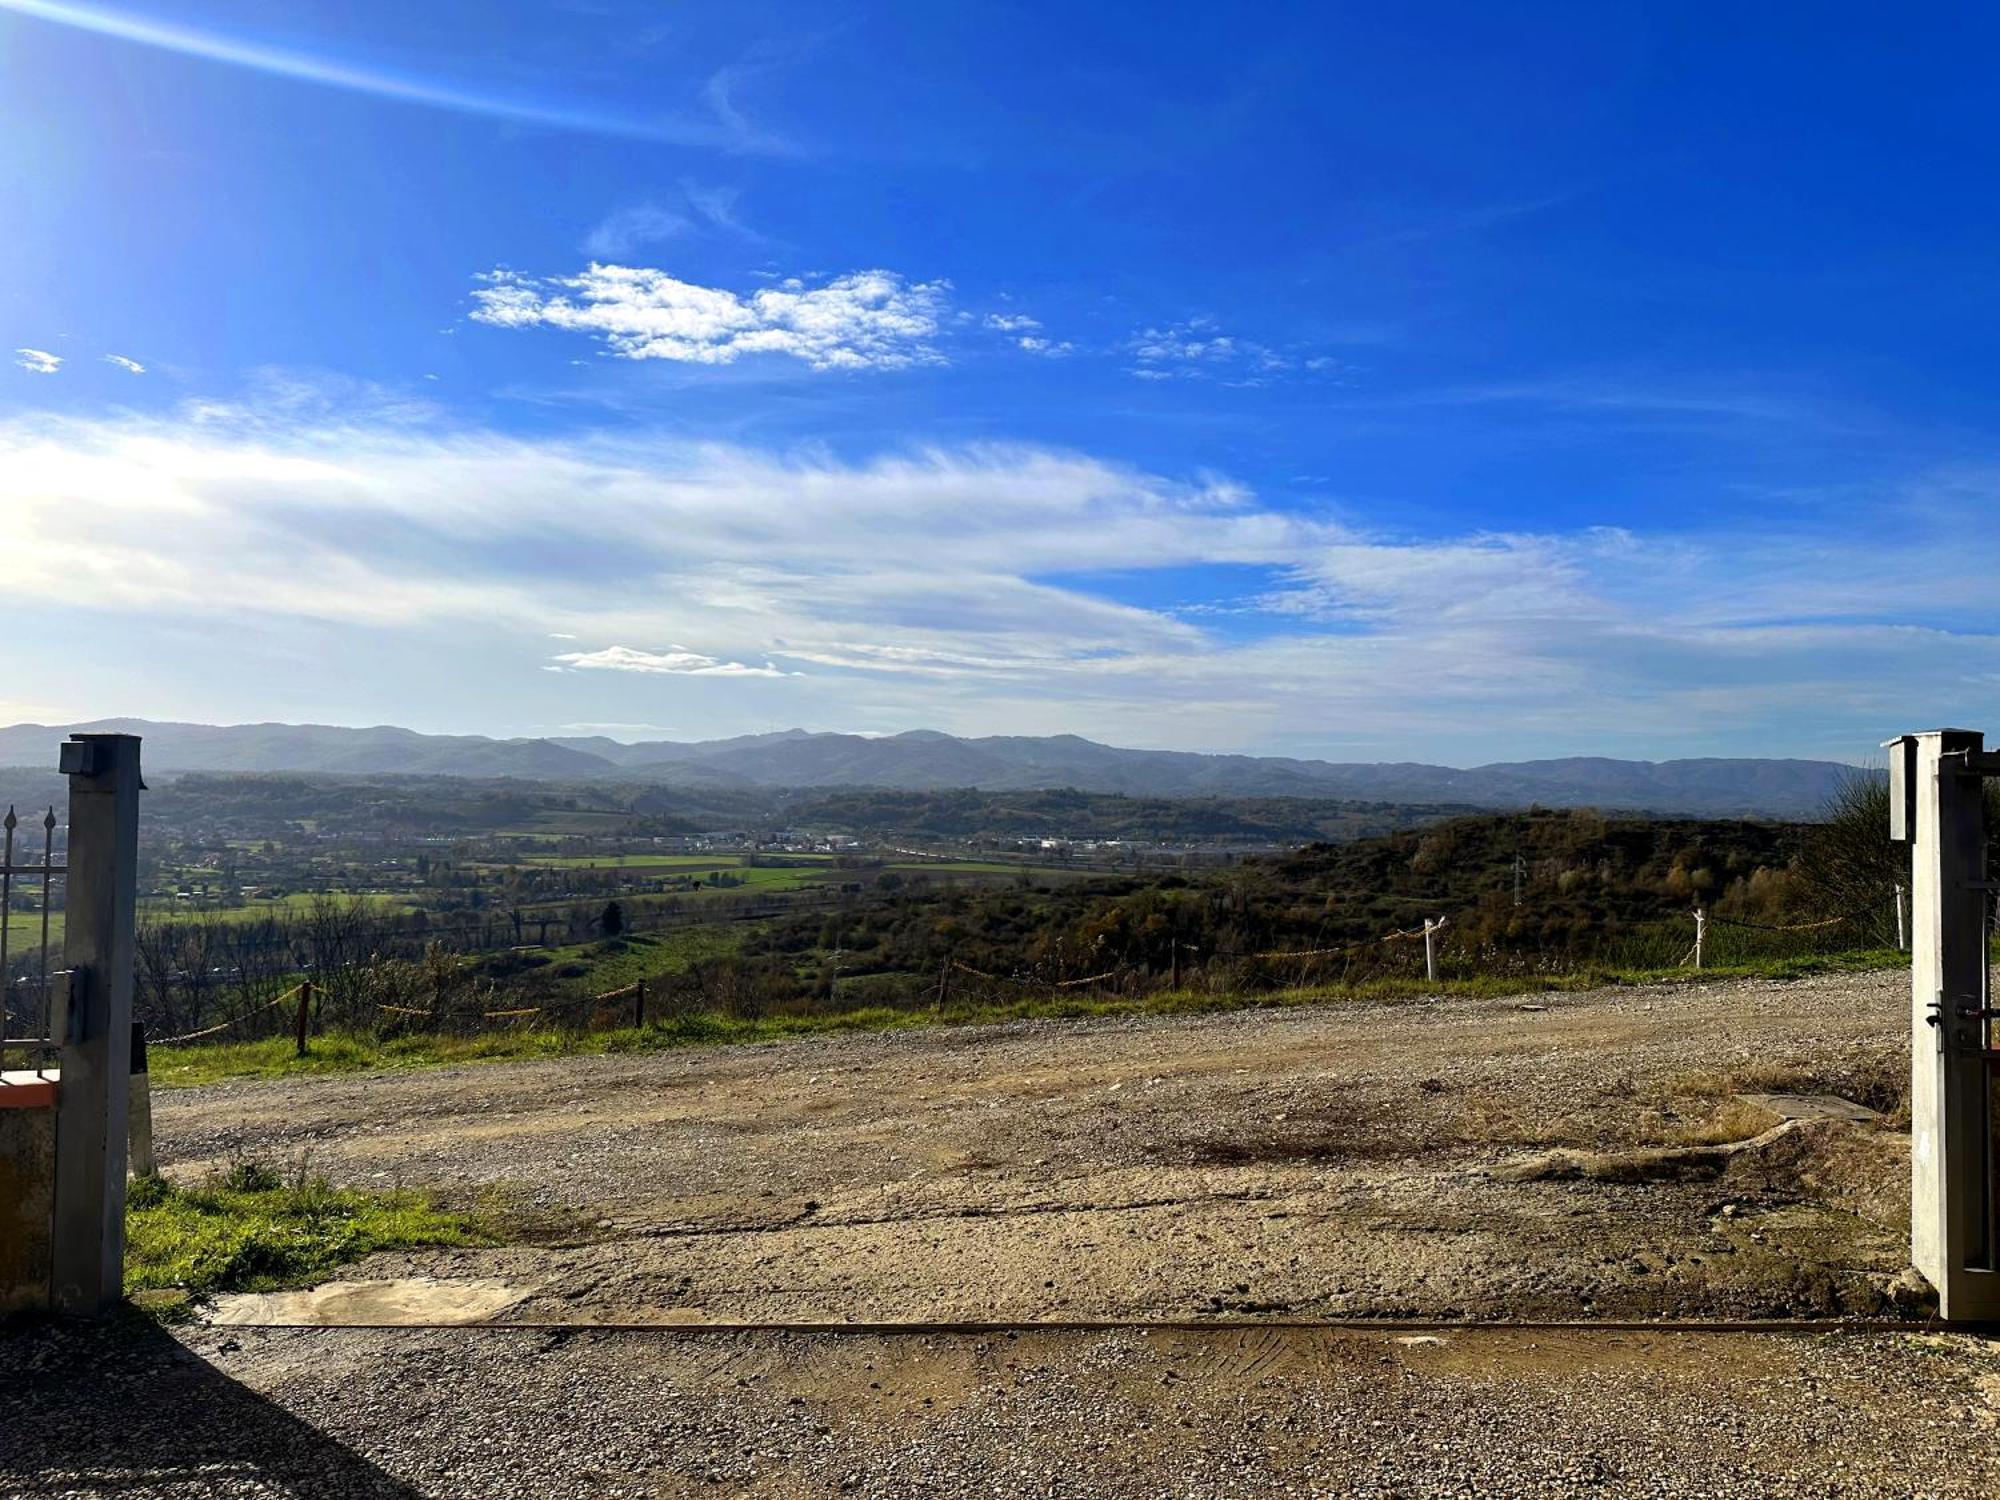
{"points": [[927, 759]]}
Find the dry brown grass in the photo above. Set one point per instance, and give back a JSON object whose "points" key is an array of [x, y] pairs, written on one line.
{"points": [[1879, 1080], [1732, 1119]]}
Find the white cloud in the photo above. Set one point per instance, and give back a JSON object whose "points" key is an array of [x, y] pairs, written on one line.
{"points": [[130, 366], [1025, 333], [864, 320], [675, 661], [1199, 350], [618, 728], [963, 588], [38, 361]]}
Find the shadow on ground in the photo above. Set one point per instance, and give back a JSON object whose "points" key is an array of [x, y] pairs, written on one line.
{"points": [[120, 1408]]}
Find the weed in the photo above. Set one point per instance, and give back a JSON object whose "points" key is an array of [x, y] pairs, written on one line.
{"points": [[248, 1228]]}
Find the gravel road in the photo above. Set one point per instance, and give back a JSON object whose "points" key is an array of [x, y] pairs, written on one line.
{"points": [[1490, 1159], [1323, 1162]]}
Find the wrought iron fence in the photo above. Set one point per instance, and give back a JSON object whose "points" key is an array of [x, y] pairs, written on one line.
{"points": [[26, 978]]}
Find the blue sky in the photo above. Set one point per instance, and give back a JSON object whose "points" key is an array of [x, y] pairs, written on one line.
{"points": [[1446, 382]]}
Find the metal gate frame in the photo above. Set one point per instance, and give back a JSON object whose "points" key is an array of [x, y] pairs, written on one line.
{"points": [[84, 1011]]}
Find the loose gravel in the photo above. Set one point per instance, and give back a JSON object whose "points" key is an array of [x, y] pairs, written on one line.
{"points": [[1340, 1161]]}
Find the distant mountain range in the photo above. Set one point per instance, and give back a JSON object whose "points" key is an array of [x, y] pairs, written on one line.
{"points": [[925, 759]]}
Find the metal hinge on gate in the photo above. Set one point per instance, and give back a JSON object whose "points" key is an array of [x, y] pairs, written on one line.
{"points": [[1958, 1026], [72, 1024]]}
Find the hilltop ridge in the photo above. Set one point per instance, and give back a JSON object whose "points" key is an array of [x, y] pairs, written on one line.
{"points": [[930, 759]]}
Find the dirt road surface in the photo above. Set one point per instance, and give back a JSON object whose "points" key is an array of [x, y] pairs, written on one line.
{"points": [[1566, 1157]]}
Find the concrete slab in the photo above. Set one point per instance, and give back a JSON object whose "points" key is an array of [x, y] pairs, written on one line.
{"points": [[417, 1301]]}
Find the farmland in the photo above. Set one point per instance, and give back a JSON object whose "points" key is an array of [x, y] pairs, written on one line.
{"points": [[470, 907]]}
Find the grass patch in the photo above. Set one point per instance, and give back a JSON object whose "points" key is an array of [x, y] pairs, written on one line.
{"points": [[1730, 1120], [24, 928], [645, 955], [252, 1229], [347, 1052]]}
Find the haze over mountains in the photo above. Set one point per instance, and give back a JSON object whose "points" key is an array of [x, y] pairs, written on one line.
{"points": [[926, 759]]}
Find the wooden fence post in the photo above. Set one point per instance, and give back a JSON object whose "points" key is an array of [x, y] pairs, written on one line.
{"points": [[1700, 935], [140, 1108], [639, 1003], [305, 1013]]}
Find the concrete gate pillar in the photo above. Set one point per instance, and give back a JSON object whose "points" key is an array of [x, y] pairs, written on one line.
{"points": [[93, 1022], [1936, 805]]}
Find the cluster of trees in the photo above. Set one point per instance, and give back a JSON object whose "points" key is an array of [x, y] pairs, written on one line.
{"points": [[1521, 892], [1527, 891]]}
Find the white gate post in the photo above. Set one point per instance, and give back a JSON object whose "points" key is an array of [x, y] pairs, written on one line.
{"points": [[94, 1022], [1936, 803]]}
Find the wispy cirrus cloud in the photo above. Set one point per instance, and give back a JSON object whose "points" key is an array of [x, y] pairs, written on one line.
{"points": [[726, 125], [38, 361], [695, 208], [129, 366], [865, 320], [967, 588], [624, 230]]}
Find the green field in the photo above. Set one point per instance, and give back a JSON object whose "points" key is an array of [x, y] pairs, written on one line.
{"points": [[161, 909], [656, 861], [24, 928], [653, 955]]}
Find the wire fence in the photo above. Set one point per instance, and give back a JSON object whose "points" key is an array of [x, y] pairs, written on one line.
{"points": [[401, 988]]}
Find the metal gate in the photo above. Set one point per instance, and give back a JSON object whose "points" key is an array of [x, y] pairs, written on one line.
{"points": [[70, 1020], [27, 901]]}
